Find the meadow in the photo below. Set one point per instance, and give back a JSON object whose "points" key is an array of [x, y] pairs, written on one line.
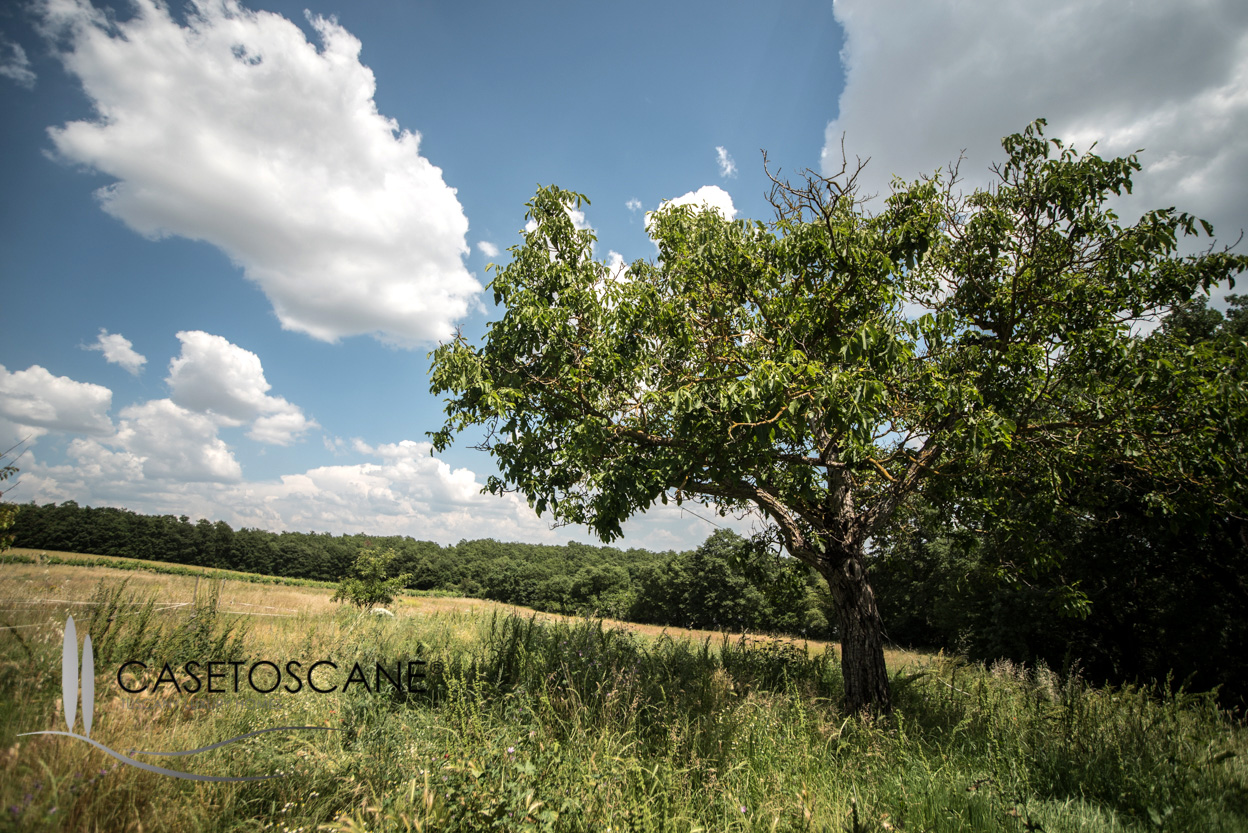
{"points": [[540, 722]]}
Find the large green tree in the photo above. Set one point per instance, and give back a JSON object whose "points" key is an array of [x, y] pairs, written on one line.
{"points": [[822, 368]]}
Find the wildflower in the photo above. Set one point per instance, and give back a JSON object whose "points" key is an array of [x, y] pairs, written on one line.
{"points": [[743, 808], [510, 750]]}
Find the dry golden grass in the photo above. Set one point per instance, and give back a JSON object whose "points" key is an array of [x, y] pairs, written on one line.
{"points": [[273, 602]]}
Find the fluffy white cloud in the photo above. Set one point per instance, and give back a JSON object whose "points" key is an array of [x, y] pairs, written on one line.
{"points": [[399, 490], [35, 401], [925, 81], [170, 442], [633, 205], [616, 266], [281, 428], [215, 377], [118, 349], [14, 64], [708, 196], [727, 167], [235, 130], [488, 249]]}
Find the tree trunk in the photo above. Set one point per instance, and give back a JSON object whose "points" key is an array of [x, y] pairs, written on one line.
{"points": [[862, 637]]}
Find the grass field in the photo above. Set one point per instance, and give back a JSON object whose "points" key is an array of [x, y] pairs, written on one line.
{"points": [[535, 722]]}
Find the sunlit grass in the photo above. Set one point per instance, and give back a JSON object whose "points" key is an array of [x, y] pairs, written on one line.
{"points": [[540, 723]]}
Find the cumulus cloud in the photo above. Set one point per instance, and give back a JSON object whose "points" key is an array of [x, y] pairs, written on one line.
{"points": [[960, 74], [37, 402], [400, 489], [215, 377], [168, 441], [235, 130], [708, 196], [488, 249], [117, 349], [633, 205], [616, 266], [727, 167], [281, 428], [14, 64]]}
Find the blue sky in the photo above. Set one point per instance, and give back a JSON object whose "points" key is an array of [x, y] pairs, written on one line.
{"points": [[231, 234]]}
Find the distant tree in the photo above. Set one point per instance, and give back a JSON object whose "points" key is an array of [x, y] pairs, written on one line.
{"points": [[371, 585], [8, 511], [825, 368]]}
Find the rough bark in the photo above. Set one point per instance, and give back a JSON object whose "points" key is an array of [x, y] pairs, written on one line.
{"points": [[862, 636]]}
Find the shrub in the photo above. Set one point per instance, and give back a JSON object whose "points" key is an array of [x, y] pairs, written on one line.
{"points": [[371, 584]]}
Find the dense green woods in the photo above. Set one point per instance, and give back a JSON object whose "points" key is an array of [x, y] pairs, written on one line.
{"points": [[1113, 573], [1136, 597], [1112, 587], [723, 584]]}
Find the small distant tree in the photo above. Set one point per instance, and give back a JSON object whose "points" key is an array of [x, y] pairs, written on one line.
{"points": [[371, 584], [8, 511]]}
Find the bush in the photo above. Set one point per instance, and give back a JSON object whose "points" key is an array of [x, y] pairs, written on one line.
{"points": [[371, 584]]}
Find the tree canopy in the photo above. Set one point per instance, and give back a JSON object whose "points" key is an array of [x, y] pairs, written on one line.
{"points": [[822, 368]]}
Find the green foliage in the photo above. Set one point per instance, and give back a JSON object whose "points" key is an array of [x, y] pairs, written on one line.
{"points": [[372, 583], [772, 366], [782, 369], [125, 625], [8, 511], [577, 726], [727, 583], [1143, 579]]}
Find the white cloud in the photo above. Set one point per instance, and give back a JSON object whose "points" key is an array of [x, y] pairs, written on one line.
{"points": [[235, 130], [215, 377], [157, 445], [281, 428], [35, 399], [633, 205], [616, 266], [727, 167], [14, 64], [960, 74], [488, 249], [117, 349], [401, 490], [708, 196], [171, 442]]}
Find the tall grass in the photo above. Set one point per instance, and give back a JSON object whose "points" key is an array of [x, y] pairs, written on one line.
{"points": [[532, 725]]}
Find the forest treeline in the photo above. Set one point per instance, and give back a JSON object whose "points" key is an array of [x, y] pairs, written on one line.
{"points": [[1135, 596], [722, 584], [1101, 580]]}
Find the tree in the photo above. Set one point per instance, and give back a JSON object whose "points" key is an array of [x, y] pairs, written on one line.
{"points": [[371, 585], [823, 368], [8, 511]]}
